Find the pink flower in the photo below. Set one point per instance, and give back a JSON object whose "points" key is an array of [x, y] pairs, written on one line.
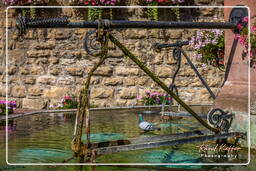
{"points": [[245, 19], [67, 97], [253, 28], [239, 26]]}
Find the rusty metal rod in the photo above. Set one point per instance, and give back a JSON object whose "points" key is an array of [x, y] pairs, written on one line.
{"points": [[145, 145], [160, 83]]}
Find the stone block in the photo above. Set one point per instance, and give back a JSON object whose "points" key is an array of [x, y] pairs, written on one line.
{"points": [[54, 70], [45, 45], [53, 60], [18, 91], [36, 70], [33, 103], [12, 69], [129, 81], [38, 53], [164, 71], [56, 92], [48, 80], [65, 81], [112, 81], [75, 70], [61, 34], [142, 81], [102, 93], [104, 71], [126, 71], [128, 93], [29, 80], [35, 91]]}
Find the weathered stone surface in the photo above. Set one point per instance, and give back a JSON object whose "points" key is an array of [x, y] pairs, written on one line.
{"points": [[49, 80], [56, 92], [112, 81], [125, 71], [104, 71], [12, 70], [102, 93], [129, 81], [36, 70], [128, 93], [142, 81], [61, 34], [29, 80], [75, 70], [38, 53], [164, 72], [65, 80], [35, 91], [54, 70], [70, 54], [53, 60], [45, 45], [18, 91], [33, 103]]}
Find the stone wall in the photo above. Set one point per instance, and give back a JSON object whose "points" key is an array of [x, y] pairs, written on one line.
{"points": [[48, 64]]}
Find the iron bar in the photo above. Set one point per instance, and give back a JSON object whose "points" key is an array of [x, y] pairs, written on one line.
{"points": [[160, 83], [146, 145], [168, 136], [166, 45], [198, 74], [23, 22]]}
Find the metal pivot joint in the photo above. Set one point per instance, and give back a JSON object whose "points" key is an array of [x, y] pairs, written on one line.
{"points": [[220, 119]]}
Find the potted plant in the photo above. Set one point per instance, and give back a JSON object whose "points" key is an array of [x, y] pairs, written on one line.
{"points": [[209, 46]]}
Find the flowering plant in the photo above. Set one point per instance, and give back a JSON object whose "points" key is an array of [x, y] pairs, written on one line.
{"points": [[209, 45], [10, 106], [242, 36], [32, 11], [96, 13], [153, 12], [154, 98], [67, 102]]}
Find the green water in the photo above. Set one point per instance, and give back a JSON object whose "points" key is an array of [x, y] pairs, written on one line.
{"points": [[45, 138]]}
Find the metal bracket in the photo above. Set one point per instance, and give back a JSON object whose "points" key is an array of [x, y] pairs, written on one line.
{"points": [[237, 14], [220, 119]]}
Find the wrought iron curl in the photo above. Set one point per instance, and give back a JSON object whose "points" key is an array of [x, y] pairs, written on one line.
{"points": [[95, 40], [220, 119]]}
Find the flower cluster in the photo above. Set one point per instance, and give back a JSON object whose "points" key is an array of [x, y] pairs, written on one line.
{"points": [[67, 102], [23, 2], [154, 98], [208, 44], [99, 2], [166, 1], [242, 36], [9, 104]]}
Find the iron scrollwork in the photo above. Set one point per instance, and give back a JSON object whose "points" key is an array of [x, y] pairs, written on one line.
{"points": [[94, 39], [220, 119]]}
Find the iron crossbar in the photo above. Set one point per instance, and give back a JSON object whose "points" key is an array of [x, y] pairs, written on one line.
{"points": [[24, 23], [169, 142]]}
